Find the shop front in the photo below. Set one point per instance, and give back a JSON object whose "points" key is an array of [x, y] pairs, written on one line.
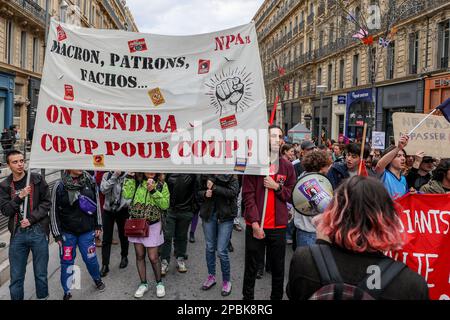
{"points": [[6, 100], [437, 90], [326, 117], [359, 110], [402, 97]]}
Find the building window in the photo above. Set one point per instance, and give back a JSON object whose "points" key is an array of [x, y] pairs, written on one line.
{"points": [[356, 69], [9, 41], [357, 18], [62, 13], [300, 92], [331, 35], [390, 61], [443, 44], [301, 48], [91, 15], [35, 54], [371, 66], [413, 52], [321, 39], [85, 7], [310, 44], [341, 73], [329, 78], [319, 76], [23, 49]]}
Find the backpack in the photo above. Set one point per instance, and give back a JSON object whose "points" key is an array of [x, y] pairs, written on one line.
{"points": [[333, 286]]}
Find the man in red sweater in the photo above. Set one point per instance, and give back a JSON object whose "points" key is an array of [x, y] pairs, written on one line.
{"points": [[272, 235]]}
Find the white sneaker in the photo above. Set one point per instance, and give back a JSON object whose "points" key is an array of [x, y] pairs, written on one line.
{"points": [[164, 267], [143, 288], [181, 266], [160, 290]]}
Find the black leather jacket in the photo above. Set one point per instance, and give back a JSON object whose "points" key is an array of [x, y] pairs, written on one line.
{"points": [[224, 196], [182, 192]]}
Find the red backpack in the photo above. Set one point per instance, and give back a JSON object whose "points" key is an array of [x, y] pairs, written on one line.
{"points": [[333, 286]]}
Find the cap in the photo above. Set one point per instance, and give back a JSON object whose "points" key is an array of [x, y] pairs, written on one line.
{"points": [[307, 145]]}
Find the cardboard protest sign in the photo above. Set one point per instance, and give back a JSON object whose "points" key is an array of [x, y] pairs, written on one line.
{"points": [[111, 99], [432, 137], [426, 223]]}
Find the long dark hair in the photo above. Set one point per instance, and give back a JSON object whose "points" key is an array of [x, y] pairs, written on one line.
{"points": [[361, 217]]}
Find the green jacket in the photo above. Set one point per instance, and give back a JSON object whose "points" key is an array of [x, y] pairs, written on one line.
{"points": [[160, 199], [433, 186]]}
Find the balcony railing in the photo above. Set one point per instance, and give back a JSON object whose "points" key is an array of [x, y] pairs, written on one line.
{"points": [[112, 14], [32, 8], [443, 63]]}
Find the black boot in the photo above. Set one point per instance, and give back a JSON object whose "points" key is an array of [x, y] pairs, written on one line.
{"points": [[104, 271], [123, 263]]}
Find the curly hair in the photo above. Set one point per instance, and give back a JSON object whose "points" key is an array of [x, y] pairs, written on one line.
{"points": [[316, 160], [362, 217]]}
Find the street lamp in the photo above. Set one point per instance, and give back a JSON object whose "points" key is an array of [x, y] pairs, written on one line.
{"points": [[320, 89]]}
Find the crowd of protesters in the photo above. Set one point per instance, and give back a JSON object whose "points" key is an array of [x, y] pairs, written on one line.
{"points": [[358, 226]]}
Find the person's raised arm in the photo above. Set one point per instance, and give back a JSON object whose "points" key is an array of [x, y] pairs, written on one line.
{"points": [[388, 157]]}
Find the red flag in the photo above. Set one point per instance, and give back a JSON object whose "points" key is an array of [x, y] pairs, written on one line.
{"points": [[281, 71], [362, 170], [272, 116], [286, 87]]}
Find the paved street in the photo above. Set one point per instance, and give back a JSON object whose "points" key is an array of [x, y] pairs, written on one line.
{"points": [[121, 283]]}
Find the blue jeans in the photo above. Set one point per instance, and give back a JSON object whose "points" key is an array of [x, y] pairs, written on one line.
{"points": [[86, 245], [305, 238], [24, 240], [217, 237]]}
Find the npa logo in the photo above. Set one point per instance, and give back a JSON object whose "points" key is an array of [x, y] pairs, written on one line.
{"points": [[61, 34], [224, 42], [137, 45], [203, 66]]}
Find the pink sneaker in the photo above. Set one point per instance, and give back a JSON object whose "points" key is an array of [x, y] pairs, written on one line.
{"points": [[226, 288], [211, 281]]}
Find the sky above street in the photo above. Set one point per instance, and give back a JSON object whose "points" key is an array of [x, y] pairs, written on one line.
{"points": [[184, 17]]}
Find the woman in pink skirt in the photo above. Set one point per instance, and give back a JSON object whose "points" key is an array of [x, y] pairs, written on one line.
{"points": [[149, 198]]}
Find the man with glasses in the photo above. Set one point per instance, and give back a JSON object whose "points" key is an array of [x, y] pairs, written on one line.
{"points": [[30, 229]]}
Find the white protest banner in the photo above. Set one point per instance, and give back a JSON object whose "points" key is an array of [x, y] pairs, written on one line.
{"points": [[432, 137], [378, 140], [111, 99]]}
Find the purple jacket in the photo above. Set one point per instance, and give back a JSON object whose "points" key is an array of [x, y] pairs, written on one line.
{"points": [[253, 194]]}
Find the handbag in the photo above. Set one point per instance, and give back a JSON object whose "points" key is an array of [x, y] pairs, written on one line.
{"points": [[136, 228], [87, 205]]}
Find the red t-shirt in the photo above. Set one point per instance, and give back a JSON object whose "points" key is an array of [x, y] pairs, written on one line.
{"points": [[269, 219]]}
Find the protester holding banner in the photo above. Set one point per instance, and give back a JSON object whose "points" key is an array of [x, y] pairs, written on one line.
{"points": [[420, 172], [217, 196], [183, 204], [440, 183], [343, 170], [29, 231], [115, 212], [316, 161], [267, 229], [76, 221], [390, 167], [148, 200], [359, 226]]}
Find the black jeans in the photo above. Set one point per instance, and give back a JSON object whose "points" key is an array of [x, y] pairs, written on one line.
{"points": [[109, 218], [176, 231], [275, 244]]}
